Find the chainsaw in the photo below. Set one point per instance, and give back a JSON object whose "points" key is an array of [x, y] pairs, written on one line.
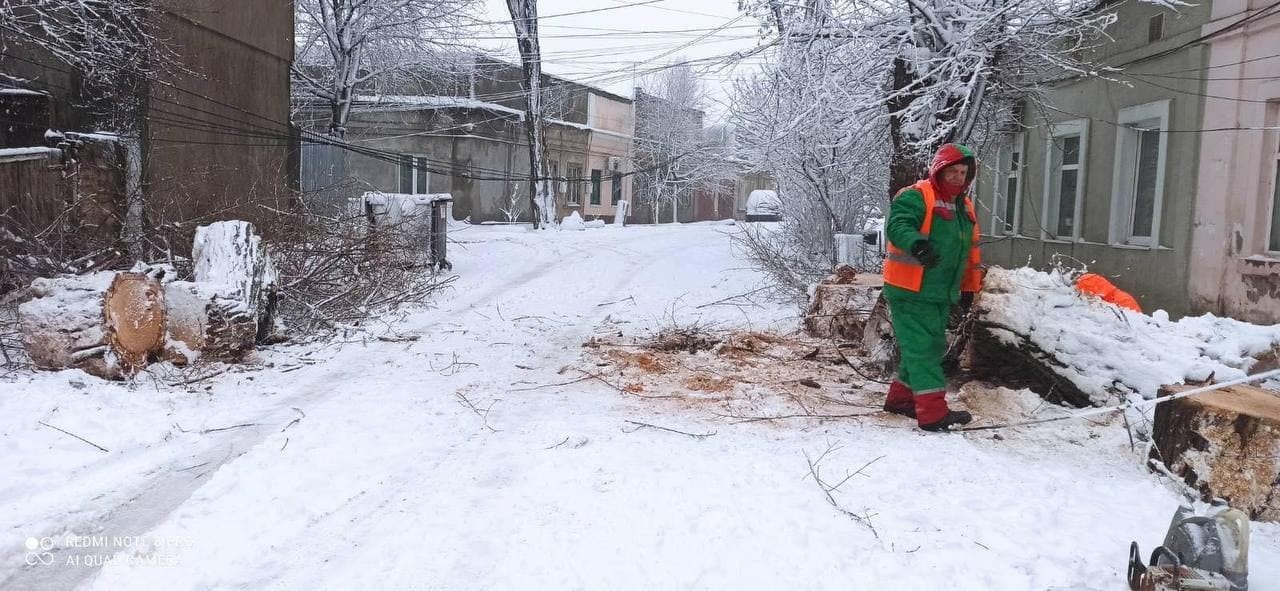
{"points": [[1165, 572]]}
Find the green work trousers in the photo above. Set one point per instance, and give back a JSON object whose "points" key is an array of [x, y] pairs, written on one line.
{"points": [[921, 331]]}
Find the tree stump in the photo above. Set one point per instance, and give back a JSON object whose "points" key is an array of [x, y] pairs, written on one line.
{"points": [[232, 259], [1224, 444], [841, 304]]}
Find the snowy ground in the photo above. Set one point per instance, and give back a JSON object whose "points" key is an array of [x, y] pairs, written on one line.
{"points": [[452, 462]]}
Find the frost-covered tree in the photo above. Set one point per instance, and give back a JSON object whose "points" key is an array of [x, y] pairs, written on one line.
{"points": [[100, 39], [524, 18], [672, 158], [105, 43], [345, 47], [857, 96]]}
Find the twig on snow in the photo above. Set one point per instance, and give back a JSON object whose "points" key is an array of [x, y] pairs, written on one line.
{"points": [[815, 472], [631, 298], [198, 378], [566, 440], [640, 425], [483, 414], [104, 450], [240, 426]]}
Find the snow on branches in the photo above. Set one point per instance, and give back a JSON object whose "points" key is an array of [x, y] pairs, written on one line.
{"points": [[377, 45]]}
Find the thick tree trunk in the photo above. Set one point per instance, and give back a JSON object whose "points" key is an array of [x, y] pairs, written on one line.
{"points": [[904, 165], [202, 324], [842, 304], [133, 313], [524, 16], [1224, 444], [62, 324], [107, 324], [232, 259]]}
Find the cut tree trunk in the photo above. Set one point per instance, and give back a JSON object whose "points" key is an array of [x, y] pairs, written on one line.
{"points": [[841, 305], [202, 324], [230, 257], [1224, 444], [133, 315], [107, 324], [1021, 365], [62, 324]]}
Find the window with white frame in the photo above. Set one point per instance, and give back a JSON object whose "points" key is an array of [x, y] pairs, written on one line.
{"points": [[1006, 207], [413, 174], [1065, 158], [1137, 190]]}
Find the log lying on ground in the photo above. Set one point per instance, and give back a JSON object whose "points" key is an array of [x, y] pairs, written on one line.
{"points": [[204, 324], [112, 324], [133, 318], [62, 324], [842, 303], [1035, 327], [1224, 444]]}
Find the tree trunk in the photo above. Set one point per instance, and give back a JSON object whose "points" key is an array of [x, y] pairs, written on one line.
{"points": [[204, 324], [107, 324], [1225, 444], [133, 313], [62, 324], [904, 165], [524, 16], [232, 259]]}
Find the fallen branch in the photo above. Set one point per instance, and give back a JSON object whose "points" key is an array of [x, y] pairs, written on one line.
{"points": [[104, 450], [240, 426], [566, 440], [733, 297], [483, 414], [198, 379], [640, 425], [570, 382], [797, 416], [632, 299], [814, 470]]}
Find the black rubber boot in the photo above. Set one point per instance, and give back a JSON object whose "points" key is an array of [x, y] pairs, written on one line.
{"points": [[955, 417]]}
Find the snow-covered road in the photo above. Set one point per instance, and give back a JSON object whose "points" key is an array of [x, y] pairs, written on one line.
{"points": [[452, 462]]}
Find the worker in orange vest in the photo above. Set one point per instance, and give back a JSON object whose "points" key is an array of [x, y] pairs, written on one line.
{"points": [[931, 266]]}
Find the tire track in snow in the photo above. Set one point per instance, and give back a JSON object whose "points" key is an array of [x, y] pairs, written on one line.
{"points": [[150, 503]]}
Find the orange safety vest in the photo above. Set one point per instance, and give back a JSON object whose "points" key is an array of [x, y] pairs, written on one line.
{"points": [[1098, 285], [904, 271]]}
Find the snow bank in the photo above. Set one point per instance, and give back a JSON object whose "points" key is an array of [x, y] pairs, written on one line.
{"points": [[1104, 346], [573, 221]]}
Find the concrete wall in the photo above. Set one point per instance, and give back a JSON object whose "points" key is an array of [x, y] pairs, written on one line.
{"points": [[216, 137], [1235, 267], [612, 122], [1157, 274], [479, 156]]}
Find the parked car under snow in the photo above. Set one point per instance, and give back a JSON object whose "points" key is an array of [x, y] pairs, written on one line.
{"points": [[764, 206]]}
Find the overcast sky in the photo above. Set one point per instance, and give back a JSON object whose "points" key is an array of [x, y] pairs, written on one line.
{"points": [[612, 48]]}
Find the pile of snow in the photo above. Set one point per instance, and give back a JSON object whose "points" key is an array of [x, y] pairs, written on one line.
{"points": [[573, 221], [1104, 346]]}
